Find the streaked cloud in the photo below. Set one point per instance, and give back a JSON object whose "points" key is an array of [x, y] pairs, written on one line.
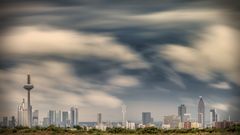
{"points": [[102, 55], [67, 43], [181, 15], [208, 55]]}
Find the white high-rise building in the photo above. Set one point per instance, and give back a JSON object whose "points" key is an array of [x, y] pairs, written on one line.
{"points": [[22, 119], [74, 116]]}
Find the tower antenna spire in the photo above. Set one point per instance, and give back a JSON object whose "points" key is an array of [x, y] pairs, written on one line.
{"points": [[28, 79]]}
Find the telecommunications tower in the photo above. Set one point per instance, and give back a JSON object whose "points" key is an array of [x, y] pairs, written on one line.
{"points": [[29, 87], [124, 110]]}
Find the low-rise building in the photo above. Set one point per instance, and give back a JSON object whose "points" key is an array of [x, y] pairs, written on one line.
{"points": [[224, 124], [187, 125]]}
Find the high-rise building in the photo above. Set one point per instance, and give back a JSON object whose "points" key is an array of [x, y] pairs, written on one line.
{"points": [[58, 118], [45, 122], [52, 117], [12, 122], [99, 119], [100, 124], [5, 121], [22, 115], [29, 87], [65, 119], [201, 112], [74, 116], [146, 118], [213, 117], [35, 118], [181, 111]]}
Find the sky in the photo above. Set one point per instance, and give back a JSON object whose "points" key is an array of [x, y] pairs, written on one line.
{"points": [[150, 55]]}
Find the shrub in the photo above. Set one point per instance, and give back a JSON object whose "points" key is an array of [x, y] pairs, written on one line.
{"points": [[94, 130]]}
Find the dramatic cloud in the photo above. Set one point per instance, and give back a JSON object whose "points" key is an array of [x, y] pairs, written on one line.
{"points": [[40, 41], [98, 55], [208, 55]]}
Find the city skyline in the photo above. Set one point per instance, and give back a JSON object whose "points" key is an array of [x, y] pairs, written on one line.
{"points": [[70, 118], [73, 114], [97, 56], [55, 118]]}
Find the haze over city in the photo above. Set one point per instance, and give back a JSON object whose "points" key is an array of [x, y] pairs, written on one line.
{"points": [[97, 56]]}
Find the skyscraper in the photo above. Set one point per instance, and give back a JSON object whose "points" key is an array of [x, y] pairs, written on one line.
{"points": [[213, 117], [52, 117], [65, 119], [99, 119], [12, 122], [58, 118], [5, 121], [35, 117], [22, 115], [146, 118], [201, 112], [181, 111], [29, 87], [74, 116]]}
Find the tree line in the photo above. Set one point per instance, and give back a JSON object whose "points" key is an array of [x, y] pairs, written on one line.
{"points": [[235, 129]]}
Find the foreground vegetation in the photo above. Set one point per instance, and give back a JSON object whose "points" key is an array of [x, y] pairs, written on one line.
{"points": [[52, 130]]}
